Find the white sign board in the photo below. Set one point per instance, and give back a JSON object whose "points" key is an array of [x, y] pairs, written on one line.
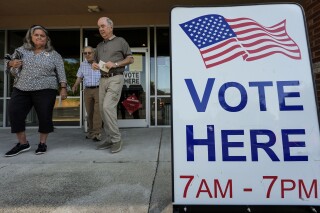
{"points": [[245, 123], [131, 78]]}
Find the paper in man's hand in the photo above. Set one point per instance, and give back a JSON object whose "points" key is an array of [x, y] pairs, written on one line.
{"points": [[102, 66]]}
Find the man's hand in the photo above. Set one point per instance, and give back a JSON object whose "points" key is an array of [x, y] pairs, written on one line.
{"points": [[74, 88], [95, 66]]}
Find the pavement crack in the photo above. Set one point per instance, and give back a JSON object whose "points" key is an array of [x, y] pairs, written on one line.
{"points": [[3, 167], [155, 174], [112, 161]]}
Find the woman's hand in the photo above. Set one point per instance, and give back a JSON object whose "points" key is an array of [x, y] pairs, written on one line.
{"points": [[15, 63], [63, 93]]}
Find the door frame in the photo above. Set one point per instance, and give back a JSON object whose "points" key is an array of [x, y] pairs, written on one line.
{"points": [[126, 123]]}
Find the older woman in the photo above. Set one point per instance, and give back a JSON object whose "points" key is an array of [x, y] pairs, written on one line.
{"points": [[37, 69]]}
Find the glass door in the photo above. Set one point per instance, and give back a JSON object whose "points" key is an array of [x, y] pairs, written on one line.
{"points": [[132, 110], [132, 107]]}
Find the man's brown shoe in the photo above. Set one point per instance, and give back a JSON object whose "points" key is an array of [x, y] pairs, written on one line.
{"points": [[97, 137], [105, 145], [116, 147], [88, 136]]}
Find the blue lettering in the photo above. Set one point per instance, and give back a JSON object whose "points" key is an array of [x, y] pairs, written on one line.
{"points": [[191, 142], [282, 95], [201, 106], [226, 144], [287, 144], [255, 145], [262, 95], [222, 100]]}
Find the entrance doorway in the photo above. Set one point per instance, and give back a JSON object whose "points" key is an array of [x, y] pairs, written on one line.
{"points": [[132, 112], [133, 105]]}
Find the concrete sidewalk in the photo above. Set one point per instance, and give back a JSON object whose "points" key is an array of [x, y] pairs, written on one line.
{"points": [[75, 177]]}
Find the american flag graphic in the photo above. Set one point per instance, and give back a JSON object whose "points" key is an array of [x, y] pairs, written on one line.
{"points": [[220, 40]]}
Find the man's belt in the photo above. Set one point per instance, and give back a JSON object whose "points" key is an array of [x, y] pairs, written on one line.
{"points": [[92, 87], [108, 75]]}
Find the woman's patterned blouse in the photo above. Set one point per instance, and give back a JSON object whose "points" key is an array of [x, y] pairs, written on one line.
{"points": [[39, 71]]}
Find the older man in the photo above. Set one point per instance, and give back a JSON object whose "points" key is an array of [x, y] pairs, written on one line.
{"points": [[111, 57], [90, 80]]}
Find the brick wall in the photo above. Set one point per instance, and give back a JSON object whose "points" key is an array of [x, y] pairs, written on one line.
{"points": [[312, 12]]}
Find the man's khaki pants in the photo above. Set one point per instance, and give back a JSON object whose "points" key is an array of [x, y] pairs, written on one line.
{"points": [[91, 100], [109, 96]]}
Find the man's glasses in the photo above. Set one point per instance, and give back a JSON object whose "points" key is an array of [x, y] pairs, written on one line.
{"points": [[87, 53]]}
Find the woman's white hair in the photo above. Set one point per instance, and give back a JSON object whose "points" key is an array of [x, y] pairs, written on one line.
{"points": [[28, 43]]}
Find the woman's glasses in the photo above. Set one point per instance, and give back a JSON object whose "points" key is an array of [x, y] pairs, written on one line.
{"points": [[87, 53]]}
